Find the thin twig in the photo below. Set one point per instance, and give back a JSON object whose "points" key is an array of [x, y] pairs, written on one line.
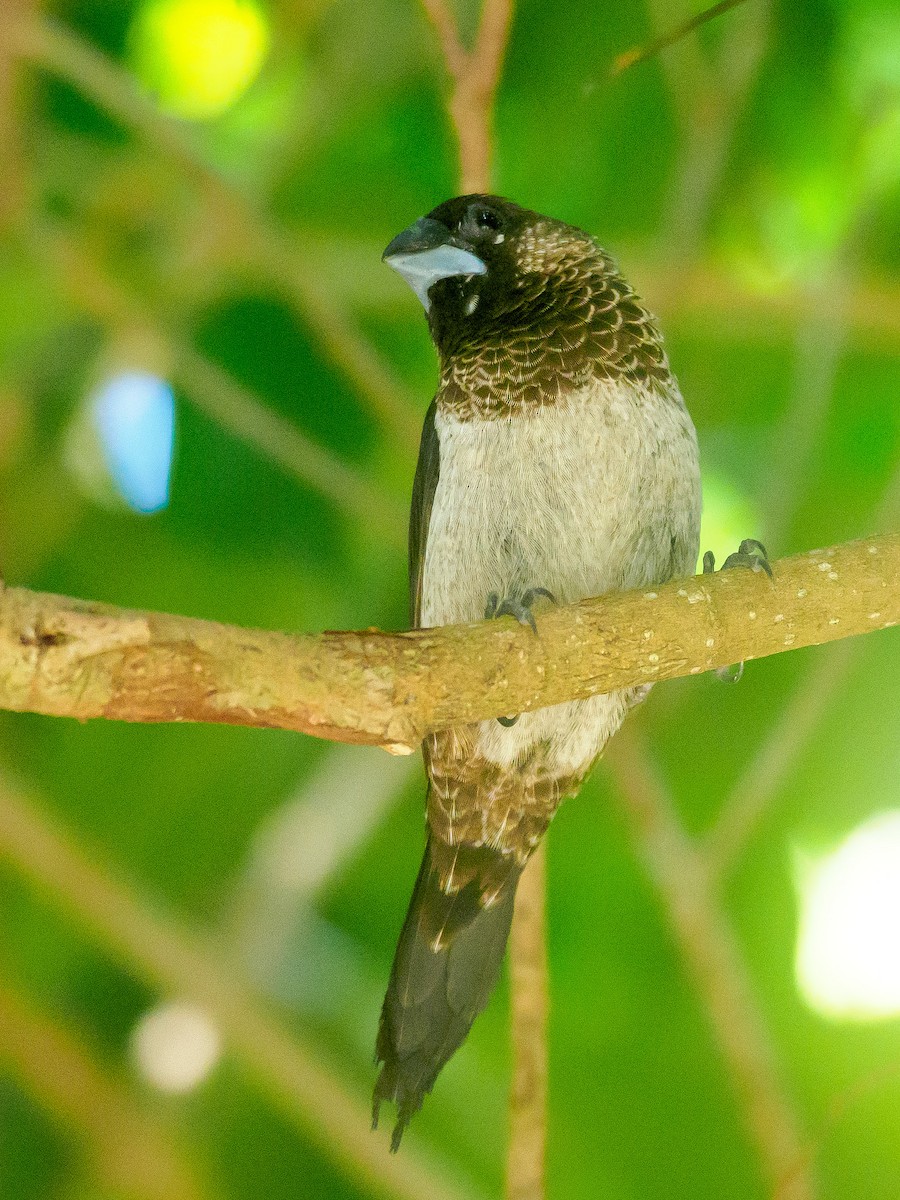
{"points": [[471, 109], [760, 784], [838, 1108], [472, 105], [167, 956], [130, 1152], [639, 54], [707, 945], [303, 845], [475, 76], [527, 1151], [820, 342], [13, 194], [214, 391], [441, 16], [386, 394], [243, 414], [703, 293], [57, 49], [762, 779], [709, 92]]}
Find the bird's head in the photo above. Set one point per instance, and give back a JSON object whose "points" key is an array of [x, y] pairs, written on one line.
{"points": [[522, 302], [475, 259]]}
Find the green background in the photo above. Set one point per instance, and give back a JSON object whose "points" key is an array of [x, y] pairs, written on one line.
{"points": [[748, 181]]}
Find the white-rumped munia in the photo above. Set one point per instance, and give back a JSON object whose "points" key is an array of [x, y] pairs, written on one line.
{"points": [[557, 462]]}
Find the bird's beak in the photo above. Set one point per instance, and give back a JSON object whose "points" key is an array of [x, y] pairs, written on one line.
{"points": [[425, 253]]}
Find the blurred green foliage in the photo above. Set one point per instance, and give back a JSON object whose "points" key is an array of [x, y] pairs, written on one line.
{"points": [[749, 182]]}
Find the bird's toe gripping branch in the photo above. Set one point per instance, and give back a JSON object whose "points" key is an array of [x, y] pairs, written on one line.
{"points": [[751, 555], [520, 608], [517, 606]]}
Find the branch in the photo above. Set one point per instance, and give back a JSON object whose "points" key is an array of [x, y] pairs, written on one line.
{"points": [[211, 388], [130, 1150], [707, 294], [168, 956], [56, 49], [639, 54], [74, 658], [676, 867], [440, 14], [527, 1150], [763, 778], [14, 196], [475, 75]]}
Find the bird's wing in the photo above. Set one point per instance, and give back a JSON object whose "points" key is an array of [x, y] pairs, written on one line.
{"points": [[424, 485]]}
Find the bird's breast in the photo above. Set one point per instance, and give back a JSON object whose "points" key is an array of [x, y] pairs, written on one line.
{"points": [[585, 495]]}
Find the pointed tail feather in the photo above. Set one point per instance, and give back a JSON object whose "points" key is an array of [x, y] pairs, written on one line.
{"points": [[446, 966]]}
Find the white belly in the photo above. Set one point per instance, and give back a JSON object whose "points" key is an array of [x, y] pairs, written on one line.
{"points": [[596, 493]]}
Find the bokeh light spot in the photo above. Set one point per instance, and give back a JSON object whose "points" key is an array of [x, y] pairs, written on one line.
{"points": [[175, 1046], [198, 56], [848, 950], [134, 414]]}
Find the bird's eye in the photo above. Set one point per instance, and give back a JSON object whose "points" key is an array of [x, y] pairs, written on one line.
{"points": [[486, 219]]}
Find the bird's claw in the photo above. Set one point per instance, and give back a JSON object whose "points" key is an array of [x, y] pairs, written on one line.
{"points": [[520, 608], [752, 555]]}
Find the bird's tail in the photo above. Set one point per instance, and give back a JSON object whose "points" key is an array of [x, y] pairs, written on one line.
{"points": [[446, 966]]}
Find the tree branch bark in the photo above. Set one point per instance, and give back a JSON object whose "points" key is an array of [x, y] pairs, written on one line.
{"points": [[74, 658]]}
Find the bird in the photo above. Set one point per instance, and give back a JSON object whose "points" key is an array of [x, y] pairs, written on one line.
{"points": [[557, 461]]}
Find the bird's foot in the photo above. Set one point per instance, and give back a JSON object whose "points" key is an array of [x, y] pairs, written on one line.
{"points": [[751, 555], [520, 608], [516, 606]]}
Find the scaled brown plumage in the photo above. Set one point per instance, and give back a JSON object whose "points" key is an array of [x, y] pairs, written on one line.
{"points": [[571, 319]]}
